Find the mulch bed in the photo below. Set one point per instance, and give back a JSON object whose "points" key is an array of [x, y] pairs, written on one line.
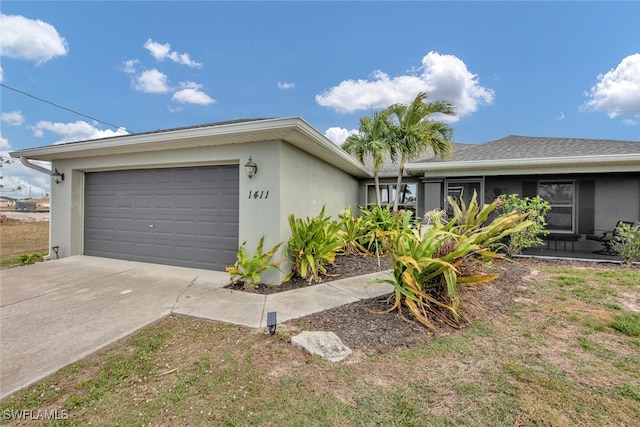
{"points": [[344, 266], [359, 328]]}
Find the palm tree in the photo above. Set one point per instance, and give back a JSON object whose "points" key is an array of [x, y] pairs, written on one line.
{"points": [[414, 132], [371, 140]]}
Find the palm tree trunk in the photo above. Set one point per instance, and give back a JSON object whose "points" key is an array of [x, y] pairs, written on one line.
{"points": [[399, 183], [377, 181]]}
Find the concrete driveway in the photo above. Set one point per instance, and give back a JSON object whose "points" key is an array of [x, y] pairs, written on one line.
{"points": [[57, 312]]}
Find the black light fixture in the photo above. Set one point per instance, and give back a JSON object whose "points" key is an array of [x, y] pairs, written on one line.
{"points": [[55, 250], [250, 168], [59, 176], [271, 322]]}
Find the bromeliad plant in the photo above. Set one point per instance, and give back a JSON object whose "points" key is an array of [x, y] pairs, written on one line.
{"points": [[427, 271], [353, 233], [377, 219], [247, 269], [313, 244]]}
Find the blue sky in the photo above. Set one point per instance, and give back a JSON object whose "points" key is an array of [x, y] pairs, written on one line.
{"points": [[557, 69]]}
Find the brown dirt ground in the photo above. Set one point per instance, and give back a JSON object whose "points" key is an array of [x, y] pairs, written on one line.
{"points": [[359, 328]]}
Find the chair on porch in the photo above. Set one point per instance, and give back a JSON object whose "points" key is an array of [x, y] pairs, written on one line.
{"points": [[607, 239]]}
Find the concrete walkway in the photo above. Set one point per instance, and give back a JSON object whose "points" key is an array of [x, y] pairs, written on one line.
{"points": [[57, 312]]}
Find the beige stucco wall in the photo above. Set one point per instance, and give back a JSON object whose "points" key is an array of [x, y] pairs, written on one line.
{"points": [[297, 183], [307, 184]]}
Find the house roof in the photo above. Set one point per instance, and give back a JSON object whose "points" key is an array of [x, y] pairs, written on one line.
{"points": [[293, 130], [521, 155], [390, 168]]}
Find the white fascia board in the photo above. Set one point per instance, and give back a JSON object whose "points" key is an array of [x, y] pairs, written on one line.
{"points": [[309, 140], [583, 164]]}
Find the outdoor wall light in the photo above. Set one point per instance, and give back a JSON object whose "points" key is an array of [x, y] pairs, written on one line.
{"points": [[59, 176], [250, 168], [271, 322], [55, 250]]}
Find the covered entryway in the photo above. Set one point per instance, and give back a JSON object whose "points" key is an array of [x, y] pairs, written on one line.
{"points": [[186, 216]]}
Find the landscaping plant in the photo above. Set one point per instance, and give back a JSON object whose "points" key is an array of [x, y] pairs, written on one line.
{"points": [[380, 219], [30, 258], [313, 244], [536, 209], [247, 268], [353, 233], [627, 242], [427, 270]]}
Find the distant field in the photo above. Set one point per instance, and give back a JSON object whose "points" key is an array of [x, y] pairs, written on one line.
{"points": [[18, 238]]}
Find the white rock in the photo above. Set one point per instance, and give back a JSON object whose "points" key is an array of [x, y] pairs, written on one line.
{"points": [[322, 343]]}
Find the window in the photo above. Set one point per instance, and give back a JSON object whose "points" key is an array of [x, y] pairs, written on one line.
{"points": [[408, 200], [561, 197]]}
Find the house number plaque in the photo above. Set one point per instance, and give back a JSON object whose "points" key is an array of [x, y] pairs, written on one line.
{"points": [[258, 194]]}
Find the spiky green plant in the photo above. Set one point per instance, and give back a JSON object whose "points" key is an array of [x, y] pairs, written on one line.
{"points": [[379, 219], [353, 233], [427, 270], [313, 244], [29, 258], [247, 268]]}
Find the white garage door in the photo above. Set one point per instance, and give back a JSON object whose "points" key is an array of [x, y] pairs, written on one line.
{"points": [[180, 216]]}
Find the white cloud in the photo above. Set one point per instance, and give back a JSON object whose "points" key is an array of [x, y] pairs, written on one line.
{"points": [[442, 77], [129, 66], [75, 131], [151, 81], [629, 122], [617, 92], [285, 86], [162, 51], [172, 109], [30, 39], [561, 116], [191, 93], [18, 180], [338, 135], [12, 118], [4, 144]]}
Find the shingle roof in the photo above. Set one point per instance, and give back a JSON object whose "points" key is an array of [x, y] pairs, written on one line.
{"points": [[526, 147], [390, 168]]}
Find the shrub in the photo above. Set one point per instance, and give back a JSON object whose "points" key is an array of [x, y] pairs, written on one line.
{"points": [[627, 242], [427, 270], [536, 210], [313, 244], [247, 269]]}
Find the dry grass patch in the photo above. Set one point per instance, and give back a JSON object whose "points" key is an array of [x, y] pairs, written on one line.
{"points": [[18, 238]]}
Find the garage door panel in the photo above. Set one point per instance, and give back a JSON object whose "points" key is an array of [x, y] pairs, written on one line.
{"points": [[124, 224], [193, 211], [143, 201]]}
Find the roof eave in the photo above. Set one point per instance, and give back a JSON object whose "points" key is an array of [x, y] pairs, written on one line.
{"points": [[293, 130], [582, 164]]}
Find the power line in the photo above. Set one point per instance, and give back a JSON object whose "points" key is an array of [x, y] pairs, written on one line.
{"points": [[59, 106]]}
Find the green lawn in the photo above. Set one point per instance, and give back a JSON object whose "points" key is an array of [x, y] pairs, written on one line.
{"points": [[571, 357]]}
